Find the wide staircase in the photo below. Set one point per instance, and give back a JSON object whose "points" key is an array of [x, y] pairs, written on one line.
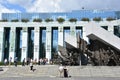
{"points": [[52, 71]]}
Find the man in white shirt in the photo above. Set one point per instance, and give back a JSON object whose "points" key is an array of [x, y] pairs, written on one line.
{"points": [[61, 70]]}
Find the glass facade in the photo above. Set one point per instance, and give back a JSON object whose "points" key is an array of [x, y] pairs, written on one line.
{"points": [[6, 42], [117, 30], [54, 41], [66, 31], [78, 14], [42, 42]]}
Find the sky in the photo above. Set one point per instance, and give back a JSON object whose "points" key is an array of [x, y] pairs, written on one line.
{"points": [[10, 6]]}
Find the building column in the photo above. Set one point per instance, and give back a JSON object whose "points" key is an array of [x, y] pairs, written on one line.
{"points": [[48, 43], [24, 43], [60, 36], [84, 34], [111, 29], [12, 43], [1, 43], [36, 43], [73, 31]]}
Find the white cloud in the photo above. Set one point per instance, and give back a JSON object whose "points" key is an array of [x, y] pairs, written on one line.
{"points": [[64, 5], [45, 6], [5, 10], [68, 5], [23, 3], [100, 4]]}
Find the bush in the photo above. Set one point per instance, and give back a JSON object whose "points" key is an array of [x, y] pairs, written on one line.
{"points": [[85, 19], [110, 19], [19, 63], [25, 20], [60, 20], [37, 20], [1, 63], [15, 20], [12, 63], [97, 19], [48, 20], [73, 20], [5, 20]]}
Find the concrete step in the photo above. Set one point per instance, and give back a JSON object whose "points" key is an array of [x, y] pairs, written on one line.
{"points": [[52, 70]]}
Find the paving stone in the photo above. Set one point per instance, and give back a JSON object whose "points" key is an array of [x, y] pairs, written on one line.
{"points": [[52, 70]]}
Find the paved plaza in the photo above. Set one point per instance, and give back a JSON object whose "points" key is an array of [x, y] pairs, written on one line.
{"points": [[50, 72], [56, 78]]}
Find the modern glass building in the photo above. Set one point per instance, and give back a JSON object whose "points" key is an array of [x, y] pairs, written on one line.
{"points": [[37, 40], [78, 14]]}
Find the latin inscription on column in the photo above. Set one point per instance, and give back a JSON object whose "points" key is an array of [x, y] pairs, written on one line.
{"points": [[36, 43], [48, 43], [72, 29], [12, 40], [60, 36], [12, 43], [24, 43], [1, 42], [48, 39], [1, 37], [60, 29]]}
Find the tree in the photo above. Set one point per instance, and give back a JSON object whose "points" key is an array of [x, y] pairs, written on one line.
{"points": [[97, 19], [48, 20], [25, 20], [4, 20], [37, 20], [60, 20], [15, 20], [85, 19], [73, 20], [110, 19]]}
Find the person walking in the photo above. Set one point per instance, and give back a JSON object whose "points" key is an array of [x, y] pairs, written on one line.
{"points": [[61, 70], [23, 62], [65, 72], [10, 60], [31, 66], [5, 62], [15, 61]]}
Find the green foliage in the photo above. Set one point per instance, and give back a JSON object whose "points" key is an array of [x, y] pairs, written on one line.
{"points": [[73, 20], [4, 20], [110, 19], [19, 63], [1, 63], [12, 63], [60, 20], [48, 20], [97, 19], [37, 20], [25, 20], [85, 19], [15, 20]]}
